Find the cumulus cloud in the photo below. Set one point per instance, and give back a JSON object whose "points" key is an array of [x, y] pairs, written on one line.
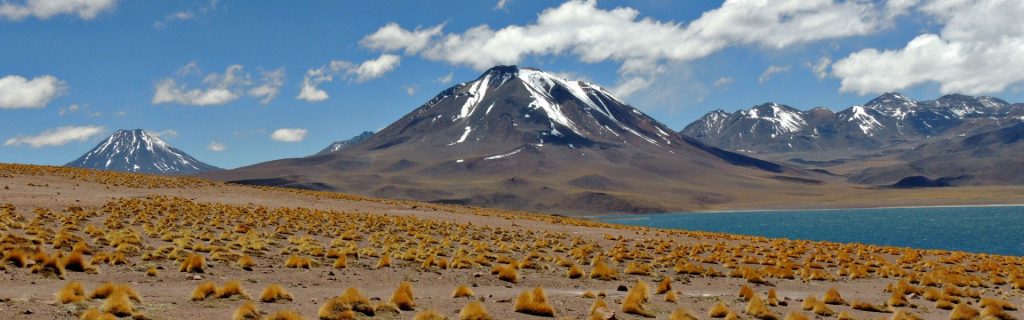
{"points": [[218, 88], [216, 146], [17, 92], [446, 79], [367, 70], [56, 137], [288, 134], [820, 68], [640, 44], [979, 50], [44, 9], [771, 72], [272, 82]]}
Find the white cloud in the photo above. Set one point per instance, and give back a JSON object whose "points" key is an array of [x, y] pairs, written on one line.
{"points": [[410, 90], [373, 69], [288, 134], [979, 50], [501, 4], [367, 70], [17, 92], [216, 146], [446, 79], [641, 44], [44, 9], [393, 37], [74, 107], [164, 134], [820, 68], [771, 72], [186, 15], [219, 88], [723, 81], [56, 137], [272, 82]]}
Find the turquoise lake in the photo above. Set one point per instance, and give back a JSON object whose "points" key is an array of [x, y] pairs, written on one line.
{"points": [[984, 229]]}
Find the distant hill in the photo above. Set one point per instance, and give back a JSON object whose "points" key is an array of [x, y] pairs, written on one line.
{"points": [[339, 145]]}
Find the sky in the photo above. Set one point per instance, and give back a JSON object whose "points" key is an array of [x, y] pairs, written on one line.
{"points": [[236, 82]]}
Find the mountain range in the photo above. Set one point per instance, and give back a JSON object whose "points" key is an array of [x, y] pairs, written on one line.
{"points": [[526, 139], [955, 138], [138, 151]]}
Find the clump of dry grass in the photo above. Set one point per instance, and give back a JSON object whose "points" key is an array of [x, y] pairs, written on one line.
{"points": [[151, 272], [403, 297], [93, 314], [600, 270], [119, 304], [204, 290], [76, 262], [275, 292], [599, 310], [719, 310], [746, 292], [796, 315], [351, 301], [575, 272], [809, 303], [822, 309], [50, 266], [340, 262], [534, 302], [664, 286], [962, 311], [832, 297], [246, 263], [285, 315], [71, 293], [384, 261], [682, 313], [867, 306], [230, 289], [756, 308], [463, 292], [429, 315], [474, 310], [17, 258], [247, 311], [295, 261], [635, 299], [904, 315], [671, 297], [507, 273], [193, 263], [845, 315]]}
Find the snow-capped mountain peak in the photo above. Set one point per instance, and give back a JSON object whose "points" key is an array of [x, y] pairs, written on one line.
{"points": [[138, 151]]}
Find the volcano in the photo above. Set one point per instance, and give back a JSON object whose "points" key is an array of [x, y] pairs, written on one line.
{"points": [[522, 138]]}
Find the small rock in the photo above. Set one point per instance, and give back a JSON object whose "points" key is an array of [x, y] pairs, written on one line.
{"points": [[622, 288]]}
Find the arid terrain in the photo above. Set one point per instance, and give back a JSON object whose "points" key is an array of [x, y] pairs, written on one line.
{"points": [[180, 248]]}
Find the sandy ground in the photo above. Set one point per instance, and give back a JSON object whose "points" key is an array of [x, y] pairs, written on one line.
{"points": [[25, 295]]}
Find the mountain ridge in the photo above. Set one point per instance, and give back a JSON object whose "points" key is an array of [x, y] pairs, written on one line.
{"points": [[138, 151]]}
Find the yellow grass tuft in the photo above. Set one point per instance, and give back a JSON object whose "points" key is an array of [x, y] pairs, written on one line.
{"points": [[773, 297], [295, 261], [118, 304], [575, 272], [76, 262], [720, 310], [809, 303], [757, 309], [635, 299], [963, 311], [93, 314], [995, 312], [682, 313], [845, 315], [822, 309], [275, 292], [897, 299], [340, 262], [384, 262], [534, 303], [285, 315], [866, 306], [151, 272], [16, 258], [403, 297], [474, 311], [746, 292], [832, 297], [664, 286], [796, 315], [230, 289], [246, 263], [204, 290], [601, 271], [247, 311], [463, 292], [671, 297], [599, 310], [429, 315], [51, 266], [193, 263], [508, 273], [71, 293], [904, 315]]}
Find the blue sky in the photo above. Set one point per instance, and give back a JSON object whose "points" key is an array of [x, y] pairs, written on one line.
{"points": [[232, 71]]}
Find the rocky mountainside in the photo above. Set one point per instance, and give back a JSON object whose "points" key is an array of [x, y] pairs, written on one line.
{"points": [[138, 151], [342, 144], [526, 139], [890, 120]]}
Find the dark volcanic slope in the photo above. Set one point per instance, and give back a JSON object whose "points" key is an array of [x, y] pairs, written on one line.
{"points": [[523, 138], [993, 157], [138, 151]]}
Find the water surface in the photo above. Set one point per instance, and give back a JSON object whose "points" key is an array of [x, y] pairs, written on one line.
{"points": [[986, 229]]}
